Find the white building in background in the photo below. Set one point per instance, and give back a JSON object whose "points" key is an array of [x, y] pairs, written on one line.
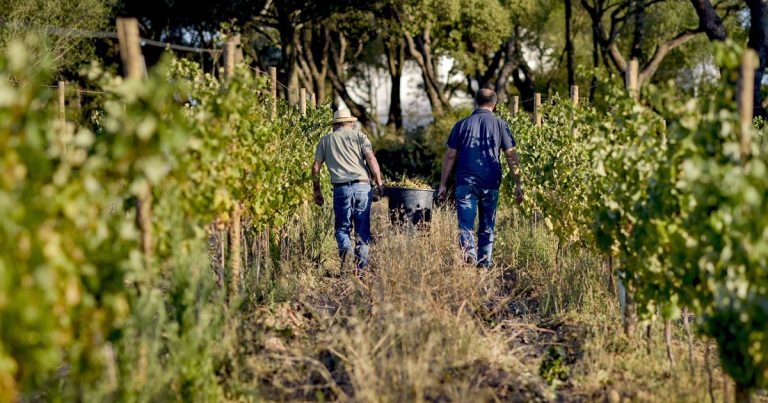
{"points": [[416, 109], [374, 88]]}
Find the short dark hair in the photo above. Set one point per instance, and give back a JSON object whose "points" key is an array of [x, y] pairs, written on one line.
{"points": [[486, 97]]}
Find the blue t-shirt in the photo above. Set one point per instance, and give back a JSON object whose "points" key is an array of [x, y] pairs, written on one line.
{"points": [[479, 140]]}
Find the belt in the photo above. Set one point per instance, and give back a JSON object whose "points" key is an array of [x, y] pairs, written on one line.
{"points": [[338, 185]]}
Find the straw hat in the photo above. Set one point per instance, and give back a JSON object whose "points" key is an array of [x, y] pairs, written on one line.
{"points": [[342, 116]]}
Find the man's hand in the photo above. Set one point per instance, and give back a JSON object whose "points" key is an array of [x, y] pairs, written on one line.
{"points": [[442, 192], [449, 160], [319, 200], [318, 197], [378, 193], [381, 190], [514, 166]]}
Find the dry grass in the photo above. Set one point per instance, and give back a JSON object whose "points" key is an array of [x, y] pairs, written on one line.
{"points": [[423, 326]]}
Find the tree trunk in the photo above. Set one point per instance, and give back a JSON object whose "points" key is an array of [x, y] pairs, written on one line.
{"points": [[337, 74], [486, 79], [524, 81], [758, 40], [709, 21], [569, 42], [638, 35], [289, 61], [420, 49], [395, 61], [314, 53], [506, 71], [595, 51], [522, 75]]}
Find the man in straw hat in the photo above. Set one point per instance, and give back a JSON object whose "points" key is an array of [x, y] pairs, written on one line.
{"points": [[348, 154]]}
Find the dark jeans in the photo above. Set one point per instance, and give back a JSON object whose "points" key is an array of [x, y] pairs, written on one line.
{"points": [[472, 201], [352, 208]]}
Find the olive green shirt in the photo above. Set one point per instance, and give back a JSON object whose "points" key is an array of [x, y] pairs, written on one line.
{"points": [[343, 152]]}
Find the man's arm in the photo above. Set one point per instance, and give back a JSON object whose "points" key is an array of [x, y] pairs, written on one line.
{"points": [[514, 169], [318, 194], [373, 163], [448, 162]]}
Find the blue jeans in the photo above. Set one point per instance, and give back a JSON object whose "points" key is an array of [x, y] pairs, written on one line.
{"points": [[472, 201], [352, 208]]}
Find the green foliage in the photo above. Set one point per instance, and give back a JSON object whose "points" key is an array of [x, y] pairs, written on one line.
{"points": [[717, 241], [473, 28], [554, 168], [679, 207], [83, 315], [22, 18], [64, 258], [552, 367], [234, 155]]}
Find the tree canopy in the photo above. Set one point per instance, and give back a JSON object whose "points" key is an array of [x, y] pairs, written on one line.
{"points": [[517, 47]]}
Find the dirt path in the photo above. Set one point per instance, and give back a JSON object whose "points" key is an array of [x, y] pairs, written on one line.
{"points": [[423, 326]]}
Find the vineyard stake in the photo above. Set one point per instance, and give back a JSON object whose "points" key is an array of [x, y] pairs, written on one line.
{"points": [[515, 103], [61, 120], [133, 66], [273, 78], [130, 47], [238, 52], [78, 102], [689, 334], [537, 109], [313, 100], [235, 263], [575, 101], [229, 58], [668, 343], [575, 95], [632, 78], [710, 377], [62, 92], [746, 100], [303, 101], [626, 302]]}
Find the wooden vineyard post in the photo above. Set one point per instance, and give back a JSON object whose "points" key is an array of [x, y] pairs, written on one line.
{"points": [[313, 100], [62, 92], [632, 79], [626, 301], [575, 95], [238, 51], [273, 78], [133, 65], [130, 47], [537, 109], [746, 101], [575, 102], [234, 240], [515, 104], [303, 101], [78, 101], [61, 120], [229, 58], [234, 253]]}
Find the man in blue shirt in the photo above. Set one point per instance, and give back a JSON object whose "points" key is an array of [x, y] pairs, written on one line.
{"points": [[475, 146]]}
